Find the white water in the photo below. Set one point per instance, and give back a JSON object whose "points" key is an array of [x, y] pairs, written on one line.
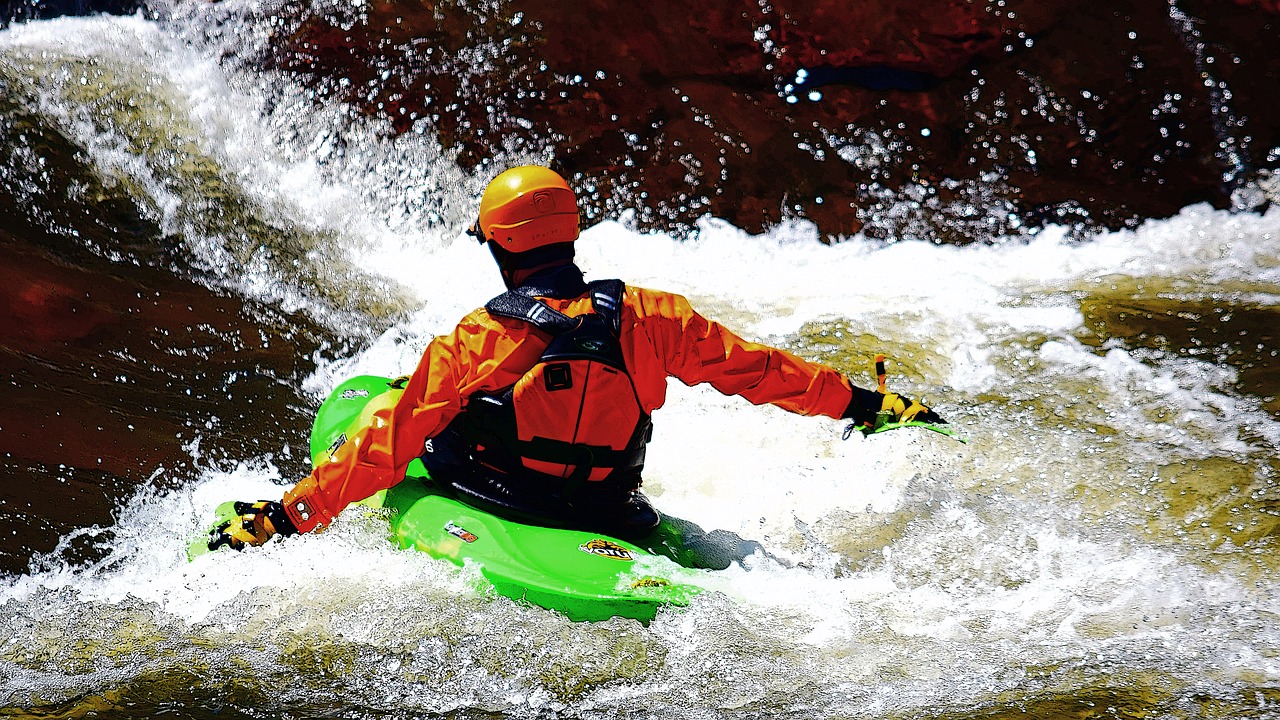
{"points": [[930, 575]]}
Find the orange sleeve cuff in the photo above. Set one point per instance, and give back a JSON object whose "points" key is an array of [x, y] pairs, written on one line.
{"points": [[303, 505]]}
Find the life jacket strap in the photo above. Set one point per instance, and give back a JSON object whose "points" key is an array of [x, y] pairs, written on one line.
{"points": [[522, 307], [519, 304], [506, 455], [588, 456], [606, 300]]}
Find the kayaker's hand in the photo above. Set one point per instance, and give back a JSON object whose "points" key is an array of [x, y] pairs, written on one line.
{"points": [[904, 409], [256, 524], [872, 409]]}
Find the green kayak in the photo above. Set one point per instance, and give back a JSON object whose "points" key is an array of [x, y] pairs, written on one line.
{"points": [[585, 576]]}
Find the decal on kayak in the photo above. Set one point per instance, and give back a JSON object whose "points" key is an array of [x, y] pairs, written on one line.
{"points": [[605, 548], [461, 533], [354, 393], [650, 582], [342, 440]]}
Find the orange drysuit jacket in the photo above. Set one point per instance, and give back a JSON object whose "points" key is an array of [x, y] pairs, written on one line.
{"points": [[662, 336]]}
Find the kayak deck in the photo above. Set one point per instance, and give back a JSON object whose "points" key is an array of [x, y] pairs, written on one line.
{"points": [[585, 576]]}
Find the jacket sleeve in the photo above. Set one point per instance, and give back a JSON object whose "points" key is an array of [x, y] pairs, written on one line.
{"points": [[452, 368], [699, 350]]}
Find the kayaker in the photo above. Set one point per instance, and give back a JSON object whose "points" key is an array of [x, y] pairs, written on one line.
{"points": [[537, 406]]}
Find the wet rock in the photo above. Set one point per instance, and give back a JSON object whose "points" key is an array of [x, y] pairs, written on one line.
{"points": [[943, 120], [120, 367], [117, 376]]}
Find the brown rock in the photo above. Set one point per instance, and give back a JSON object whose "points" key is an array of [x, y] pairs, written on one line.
{"points": [[947, 120]]}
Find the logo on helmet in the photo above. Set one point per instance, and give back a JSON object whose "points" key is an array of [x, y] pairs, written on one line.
{"points": [[544, 201]]}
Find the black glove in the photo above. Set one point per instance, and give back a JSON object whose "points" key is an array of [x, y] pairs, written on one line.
{"points": [[256, 524], [872, 409]]}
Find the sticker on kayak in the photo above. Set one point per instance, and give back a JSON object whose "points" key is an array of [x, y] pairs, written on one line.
{"points": [[354, 393], [649, 582], [605, 548], [342, 440], [461, 533]]}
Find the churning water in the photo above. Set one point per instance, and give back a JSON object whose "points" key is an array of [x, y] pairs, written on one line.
{"points": [[1104, 545]]}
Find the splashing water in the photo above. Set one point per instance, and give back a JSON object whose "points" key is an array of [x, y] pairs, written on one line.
{"points": [[1103, 544]]}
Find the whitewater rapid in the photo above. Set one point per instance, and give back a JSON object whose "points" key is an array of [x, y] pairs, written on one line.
{"points": [[1054, 553]]}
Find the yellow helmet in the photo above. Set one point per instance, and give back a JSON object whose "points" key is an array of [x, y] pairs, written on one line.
{"points": [[525, 208]]}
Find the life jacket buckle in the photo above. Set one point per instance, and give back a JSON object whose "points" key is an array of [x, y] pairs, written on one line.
{"points": [[557, 376]]}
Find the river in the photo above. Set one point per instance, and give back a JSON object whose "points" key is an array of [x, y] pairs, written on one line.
{"points": [[188, 275]]}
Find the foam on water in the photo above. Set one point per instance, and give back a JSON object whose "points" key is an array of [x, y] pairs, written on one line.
{"points": [[911, 572]]}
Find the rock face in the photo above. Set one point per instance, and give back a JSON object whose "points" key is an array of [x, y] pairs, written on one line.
{"points": [[951, 120], [946, 120]]}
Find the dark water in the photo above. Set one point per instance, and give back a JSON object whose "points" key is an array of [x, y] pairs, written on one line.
{"points": [[190, 262]]}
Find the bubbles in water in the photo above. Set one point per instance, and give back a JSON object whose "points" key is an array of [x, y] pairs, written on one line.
{"points": [[1086, 533]]}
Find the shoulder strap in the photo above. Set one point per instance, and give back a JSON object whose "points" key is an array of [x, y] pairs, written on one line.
{"points": [[606, 300], [522, 307]]}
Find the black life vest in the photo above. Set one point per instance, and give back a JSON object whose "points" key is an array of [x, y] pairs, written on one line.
{"points": [[573, 419]]}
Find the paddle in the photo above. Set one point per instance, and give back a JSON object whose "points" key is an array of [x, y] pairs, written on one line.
{"points": [[226, 512]]}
